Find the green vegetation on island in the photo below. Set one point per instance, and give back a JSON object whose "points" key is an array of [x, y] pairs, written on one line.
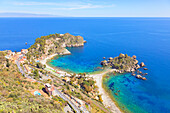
{"points": [[124, 63]]}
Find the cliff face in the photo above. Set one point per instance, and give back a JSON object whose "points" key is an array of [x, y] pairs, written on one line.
{"points": [[54, 43], [72, 41]]}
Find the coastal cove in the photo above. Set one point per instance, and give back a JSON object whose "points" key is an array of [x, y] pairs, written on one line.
{"points": [[106, 89], [75, 65], [97, 76], [107, 37], [112, 86]]}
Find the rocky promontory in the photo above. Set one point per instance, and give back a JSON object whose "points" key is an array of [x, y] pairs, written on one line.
{"points": [[53, 44]]}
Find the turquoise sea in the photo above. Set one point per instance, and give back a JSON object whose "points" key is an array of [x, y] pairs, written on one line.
{"points": [[147, 38]]}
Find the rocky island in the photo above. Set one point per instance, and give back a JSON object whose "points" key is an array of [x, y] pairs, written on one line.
{"points": [[124, 64]]}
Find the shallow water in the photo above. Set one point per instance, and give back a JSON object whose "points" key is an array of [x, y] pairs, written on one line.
{"points": [[147, 38]]}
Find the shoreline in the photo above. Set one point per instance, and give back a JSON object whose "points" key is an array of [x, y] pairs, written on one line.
{"points": [[122, 109], [108, 102], [44, 62]]}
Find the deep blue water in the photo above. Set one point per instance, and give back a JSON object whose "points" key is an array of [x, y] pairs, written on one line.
{"points": [[147, 38]]}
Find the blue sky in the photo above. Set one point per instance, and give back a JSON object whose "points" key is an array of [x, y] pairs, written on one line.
{"points": [[89, 8]]}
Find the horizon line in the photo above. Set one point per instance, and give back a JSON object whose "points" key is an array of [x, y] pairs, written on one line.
{"points": [[84, 17]]}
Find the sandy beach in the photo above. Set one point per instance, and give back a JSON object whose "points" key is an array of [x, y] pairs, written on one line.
{"points": [[107, 101], [44, 62]]}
